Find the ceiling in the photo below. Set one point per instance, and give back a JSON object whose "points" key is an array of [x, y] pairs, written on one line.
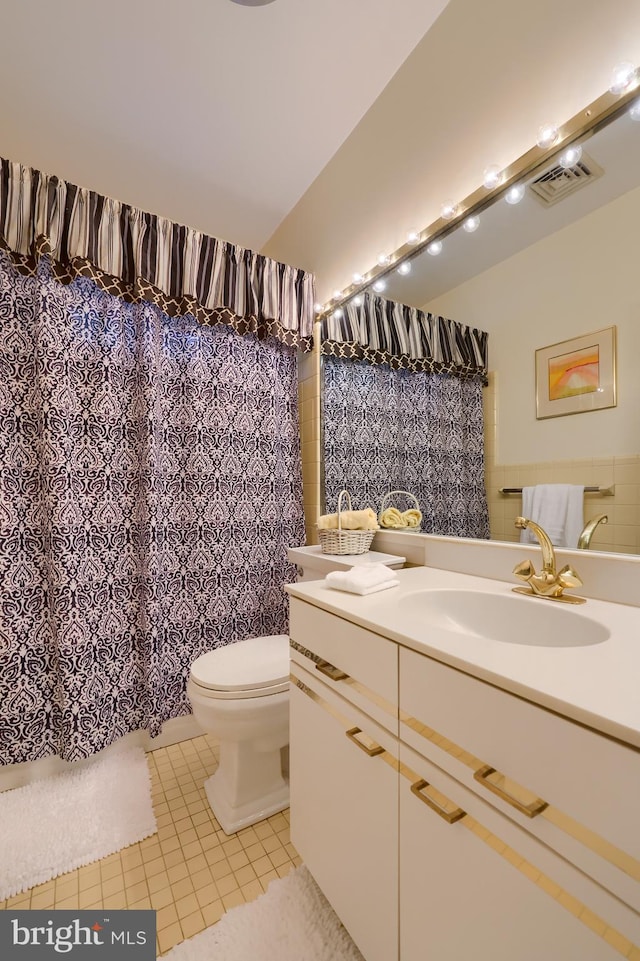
{"points": [[216, 115]]}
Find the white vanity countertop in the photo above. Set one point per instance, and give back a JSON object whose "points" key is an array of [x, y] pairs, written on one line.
{"points": [[597, 685]]}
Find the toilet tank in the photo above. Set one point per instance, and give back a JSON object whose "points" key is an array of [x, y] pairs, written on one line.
{"points": [[313, 565]]}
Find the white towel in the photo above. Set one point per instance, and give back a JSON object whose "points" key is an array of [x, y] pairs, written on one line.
{"points": [[363, 579], [558, 509]]}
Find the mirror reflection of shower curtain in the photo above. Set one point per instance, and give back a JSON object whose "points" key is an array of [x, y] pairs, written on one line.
{"points": [[387, 429]]}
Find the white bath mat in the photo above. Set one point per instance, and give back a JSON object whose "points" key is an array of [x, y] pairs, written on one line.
{"points": [[58, 824], [292, 921]]}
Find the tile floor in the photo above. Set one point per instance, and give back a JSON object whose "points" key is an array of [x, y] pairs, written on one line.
{"points": [[190, 872]]}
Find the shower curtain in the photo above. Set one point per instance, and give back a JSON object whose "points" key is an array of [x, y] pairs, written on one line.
{"points": [[150, 486], [402, 410]]}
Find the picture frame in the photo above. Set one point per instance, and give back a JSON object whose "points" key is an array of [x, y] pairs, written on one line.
{"points": [[576, 375]]}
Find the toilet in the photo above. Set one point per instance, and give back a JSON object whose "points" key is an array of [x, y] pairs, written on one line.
{"points": [[240, 693]]}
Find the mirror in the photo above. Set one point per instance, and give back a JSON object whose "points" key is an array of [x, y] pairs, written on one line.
{"points": [[538, 273]]}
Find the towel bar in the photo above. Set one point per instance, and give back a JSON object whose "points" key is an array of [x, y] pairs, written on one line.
{"points": [[604, 491]]}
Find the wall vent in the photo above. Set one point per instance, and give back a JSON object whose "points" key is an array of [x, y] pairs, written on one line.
{"points": [[558, 182]]}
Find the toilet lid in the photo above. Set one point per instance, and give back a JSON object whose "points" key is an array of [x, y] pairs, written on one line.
{"points": [[258, 662]]}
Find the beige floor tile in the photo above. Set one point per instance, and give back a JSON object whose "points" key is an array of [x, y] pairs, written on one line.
{"points": [[233, 899], [113, 886], [213, 912], [137, 891], [135, 875], [190, 872], [44, 899], [166, 916], [265, 879], [186, 906], [67, 904], [170, 936], [252, 890], [226, 885], [161, 899], [193, 924], [279, 857], [207, 895]]}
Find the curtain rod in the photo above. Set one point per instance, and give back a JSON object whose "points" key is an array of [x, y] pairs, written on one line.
{"points": [[605, 491]]}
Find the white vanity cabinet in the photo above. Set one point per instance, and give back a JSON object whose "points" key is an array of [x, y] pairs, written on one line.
{"points": [[422, 848], [343, 774]]}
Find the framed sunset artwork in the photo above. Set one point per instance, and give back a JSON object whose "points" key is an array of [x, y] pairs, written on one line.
{"points": [[576, 375]]}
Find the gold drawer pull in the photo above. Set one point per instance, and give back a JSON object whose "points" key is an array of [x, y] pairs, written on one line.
{"points": [[529, 810], [449, 816], [369, 751], [330, 671]]}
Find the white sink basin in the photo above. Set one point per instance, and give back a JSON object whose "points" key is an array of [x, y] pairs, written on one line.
{"points": [[504, 617]]}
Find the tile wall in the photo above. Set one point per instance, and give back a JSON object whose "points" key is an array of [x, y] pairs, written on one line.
{"points": [[622, 531]]}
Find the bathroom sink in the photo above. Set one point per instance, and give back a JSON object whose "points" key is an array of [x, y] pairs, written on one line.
{"points": [[503, 617]]}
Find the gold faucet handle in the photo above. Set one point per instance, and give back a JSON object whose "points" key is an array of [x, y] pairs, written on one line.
{"points": [[524, 570], [568, 577]]}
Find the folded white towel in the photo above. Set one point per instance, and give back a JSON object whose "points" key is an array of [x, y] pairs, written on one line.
{"points": [[558, 508], [363, 579]]}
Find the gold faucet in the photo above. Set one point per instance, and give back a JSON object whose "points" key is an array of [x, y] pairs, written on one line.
{"points": [[548, 583], [584, 540]]}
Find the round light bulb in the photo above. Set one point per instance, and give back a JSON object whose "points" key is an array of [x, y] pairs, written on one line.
{"points": [[634, 110], [448, 210], [492, 177], [434, 248], [570, 157], [622, 77], [379, 285], [358, 301], [514, 194], [383, 259], [318, 308], [337, 294], [404, 268], [357, 278], [548, 133], [413, 237], [471, 224], [337, 313]]}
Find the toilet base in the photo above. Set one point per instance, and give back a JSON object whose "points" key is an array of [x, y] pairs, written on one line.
{"points": [[247, 787]]}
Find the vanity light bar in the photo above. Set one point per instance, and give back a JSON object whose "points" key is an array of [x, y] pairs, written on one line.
{"points": [[596, 115], [605, 491]]}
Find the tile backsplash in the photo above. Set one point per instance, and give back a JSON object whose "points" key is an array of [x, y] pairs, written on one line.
{"points": [[622, 531]]}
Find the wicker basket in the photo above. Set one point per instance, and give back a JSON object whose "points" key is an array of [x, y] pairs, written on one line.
{"points": [[344, 542], [385, 505]]}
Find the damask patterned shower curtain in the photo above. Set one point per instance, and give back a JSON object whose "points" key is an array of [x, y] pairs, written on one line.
{"points": [[402, 410], [151, 485]]}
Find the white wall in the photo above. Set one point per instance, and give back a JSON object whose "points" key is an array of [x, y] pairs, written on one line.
{"points": [[583, 278]]}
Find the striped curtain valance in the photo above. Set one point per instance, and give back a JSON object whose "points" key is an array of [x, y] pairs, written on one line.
{"points": [[139, 256], [384, 332]]}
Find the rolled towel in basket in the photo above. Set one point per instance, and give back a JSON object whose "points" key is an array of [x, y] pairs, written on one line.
{"points": [[350, 521], [363, 579], [393, 518]]}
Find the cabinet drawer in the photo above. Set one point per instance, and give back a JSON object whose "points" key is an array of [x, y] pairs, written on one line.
{"points": [[581, 787], [322, 641], [461, 858]]}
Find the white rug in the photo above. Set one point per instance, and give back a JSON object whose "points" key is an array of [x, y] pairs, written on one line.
{"points": [[58, 824], [291, 921]]}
